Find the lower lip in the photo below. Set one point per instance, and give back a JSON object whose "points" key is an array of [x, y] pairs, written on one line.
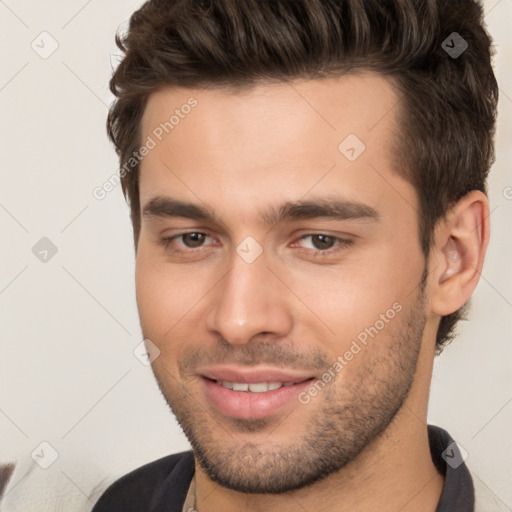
{"points": [[249, 405]]}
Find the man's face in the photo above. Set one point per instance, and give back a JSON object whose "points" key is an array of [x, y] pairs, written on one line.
{"points": [[270, 254]]}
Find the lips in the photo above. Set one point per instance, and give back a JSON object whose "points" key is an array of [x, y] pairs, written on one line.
{"points": [[254, 387], [252, 393], [252, 375]]}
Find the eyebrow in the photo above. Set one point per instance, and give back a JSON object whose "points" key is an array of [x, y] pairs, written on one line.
{"points": [[331, 208]]}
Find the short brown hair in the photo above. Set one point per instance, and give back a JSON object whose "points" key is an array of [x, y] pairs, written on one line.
{"points": [[448, 102]]}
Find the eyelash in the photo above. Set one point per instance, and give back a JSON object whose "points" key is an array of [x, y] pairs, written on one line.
{"points": [[340, 244]]}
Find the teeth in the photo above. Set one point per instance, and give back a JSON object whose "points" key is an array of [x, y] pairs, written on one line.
{"points": [[259, 387], [256, 387]]}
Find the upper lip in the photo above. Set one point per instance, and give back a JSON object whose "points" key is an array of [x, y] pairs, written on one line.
{"points": [[252, 375]]}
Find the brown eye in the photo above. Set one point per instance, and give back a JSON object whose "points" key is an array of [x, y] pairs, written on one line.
{"points": [[193, 240], [320, 242], [323, 242], [320, 245]]}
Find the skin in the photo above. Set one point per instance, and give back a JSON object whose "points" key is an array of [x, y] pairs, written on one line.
{"points": [[361, 444]]}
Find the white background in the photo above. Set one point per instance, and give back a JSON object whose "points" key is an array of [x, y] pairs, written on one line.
{"points": [[68, 327]]}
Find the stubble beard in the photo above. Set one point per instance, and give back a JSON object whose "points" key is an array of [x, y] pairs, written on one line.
{"points": [[348, 418]]}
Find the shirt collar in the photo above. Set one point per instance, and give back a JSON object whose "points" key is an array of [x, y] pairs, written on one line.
{"points": [[458, 493]]}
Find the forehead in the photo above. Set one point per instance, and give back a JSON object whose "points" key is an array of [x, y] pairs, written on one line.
{"points": [[364, 103], [281, 138]]}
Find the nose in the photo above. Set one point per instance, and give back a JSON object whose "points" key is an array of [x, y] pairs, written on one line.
{"points": [[249, 301]]}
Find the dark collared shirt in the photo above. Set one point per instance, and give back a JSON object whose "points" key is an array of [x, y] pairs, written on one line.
{"points": [[163, 485]]}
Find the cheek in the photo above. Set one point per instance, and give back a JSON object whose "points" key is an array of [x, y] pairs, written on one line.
{"points": [[160, 306], [351, 298], [162, 313], [169, 299]]}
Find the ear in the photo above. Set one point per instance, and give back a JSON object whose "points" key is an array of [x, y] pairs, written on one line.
{"points": [[457, 257]]}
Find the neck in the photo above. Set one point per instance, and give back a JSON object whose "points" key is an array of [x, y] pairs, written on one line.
{"points": [[395, 472]]}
